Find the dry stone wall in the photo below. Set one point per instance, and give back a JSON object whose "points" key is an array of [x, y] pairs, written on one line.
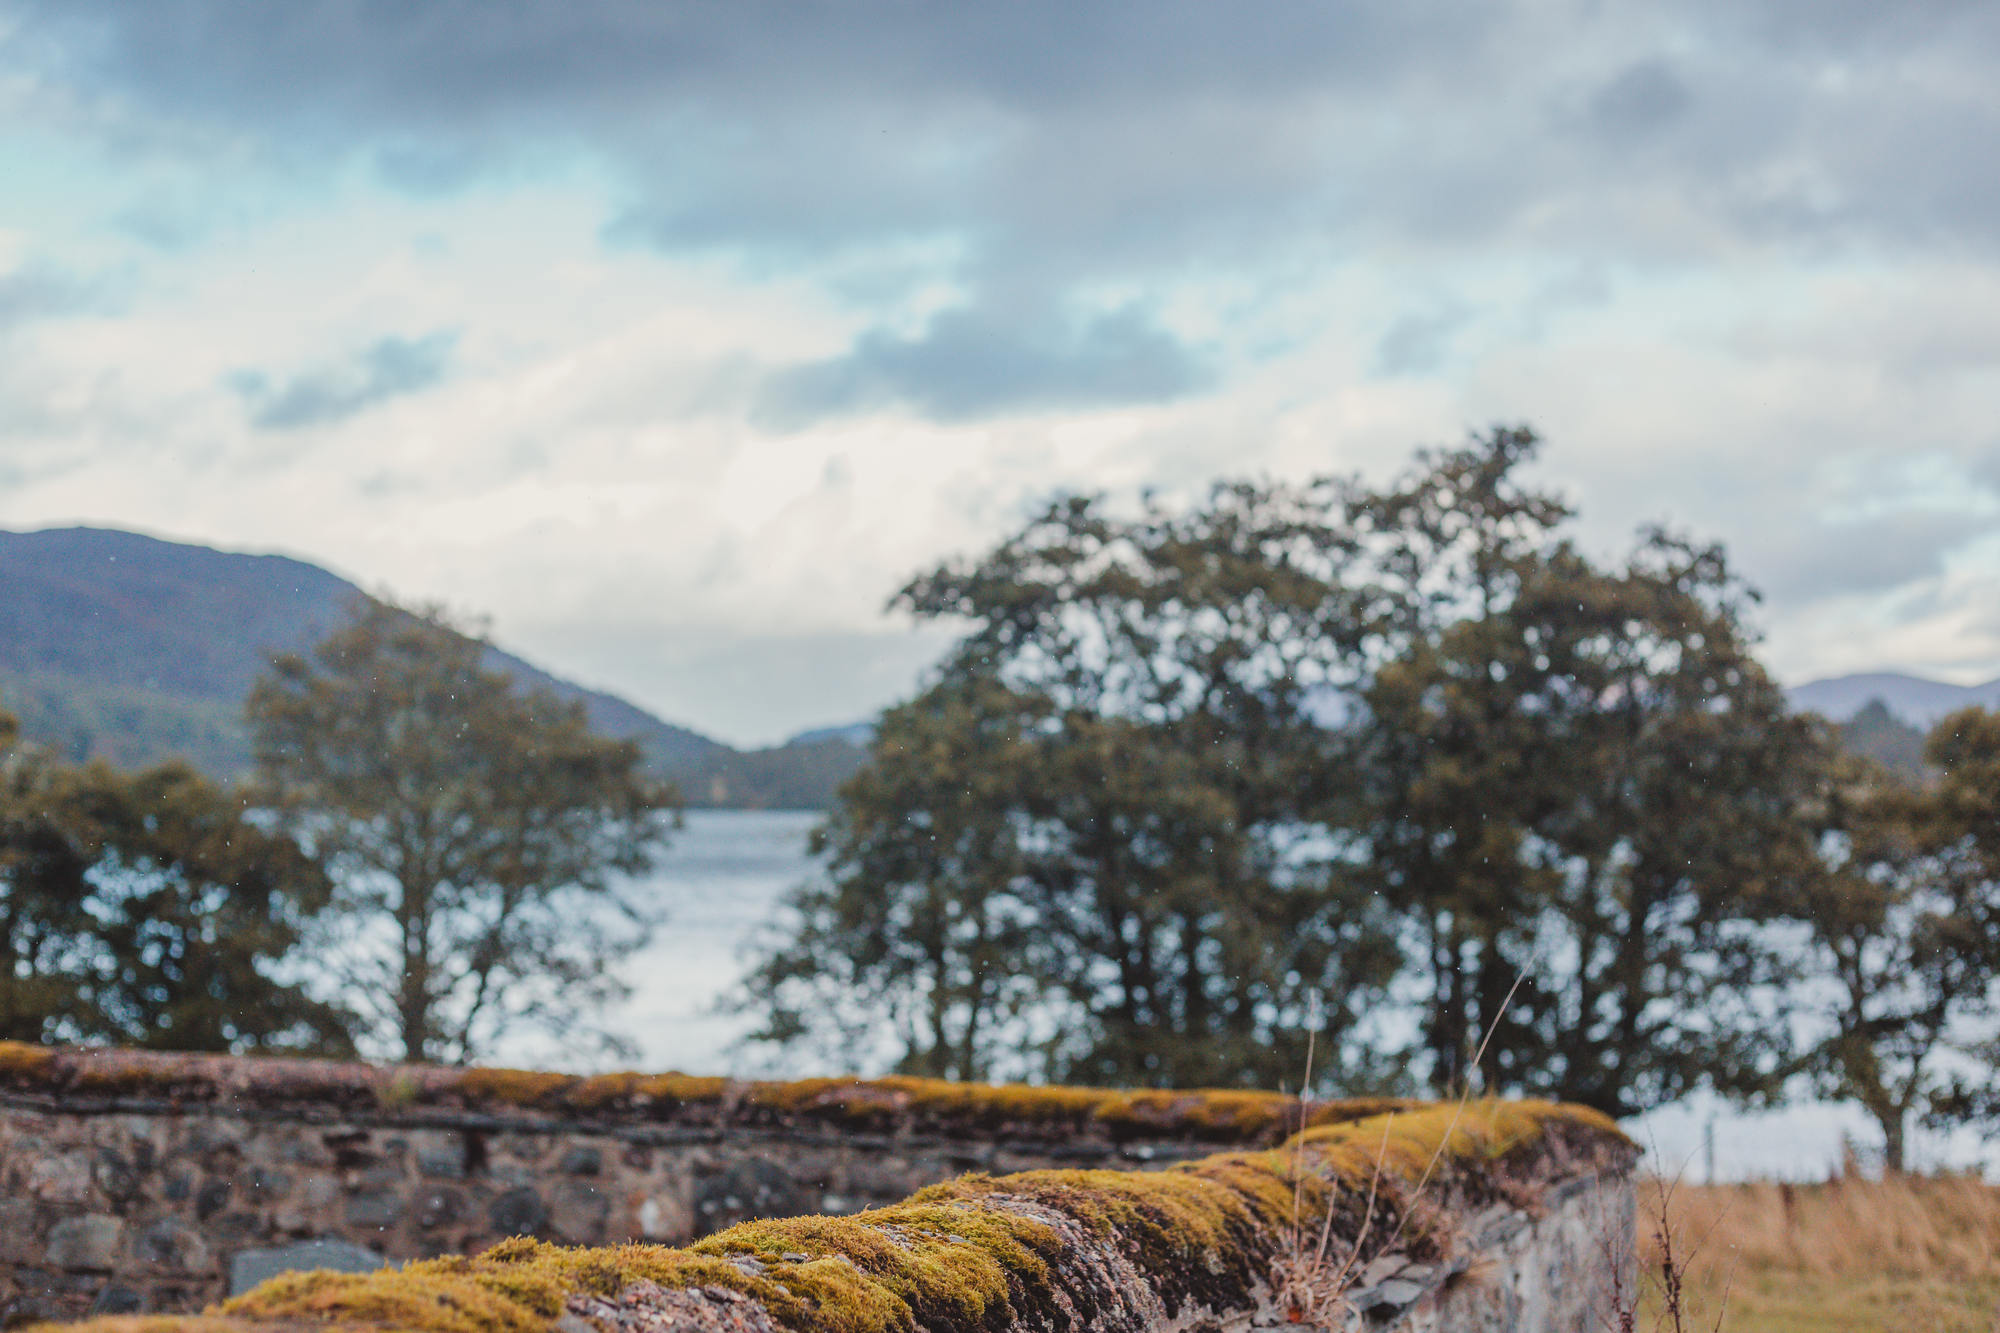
{"points": [[149, 1184], [134, 1182]]}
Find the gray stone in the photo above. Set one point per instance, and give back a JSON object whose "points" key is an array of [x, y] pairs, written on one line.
{"points": [[211, 1199], [583, 1162], [519, 1212], [266, 1186], [19, 1243], [249, 1267], [90, 1241], [115, 1299], [663, 1217], [753, 1187], [579, 1213], [1397, 1292], [172, 1243], [115, 1176], [439, 1206], [442, 1165], [373, 1208]]}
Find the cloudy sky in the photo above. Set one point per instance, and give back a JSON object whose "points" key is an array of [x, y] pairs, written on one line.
{"points": [[673, 337]]}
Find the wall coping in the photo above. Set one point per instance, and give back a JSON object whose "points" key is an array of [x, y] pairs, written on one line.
{"points": [[80, 1080]]}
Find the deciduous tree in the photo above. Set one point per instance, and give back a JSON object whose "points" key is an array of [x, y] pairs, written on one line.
{"points": [[150, 909], [478, 835]]}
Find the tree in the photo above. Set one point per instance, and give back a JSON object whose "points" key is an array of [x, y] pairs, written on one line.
{"points": [[1906, 925], [1580, 779], [1192, 772], [1100, 818], [476, 834], [921, 925], [150, 909]]}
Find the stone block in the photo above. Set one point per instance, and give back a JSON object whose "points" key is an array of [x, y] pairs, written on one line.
{"points": [[374, 1208], [519, 1212], [443, 1164], [439, 1206], [584, 1161], [249, 1267], [115, 1299], [665, 1218], [211, 1198], [89, 1241], [61, 1178], [172, 1244], [267, 1186], [20, 1235], [578, 1213], [117, 1177]]}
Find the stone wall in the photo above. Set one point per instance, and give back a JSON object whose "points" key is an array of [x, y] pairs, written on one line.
{"points": [[159, 1183], [132, 1183]]}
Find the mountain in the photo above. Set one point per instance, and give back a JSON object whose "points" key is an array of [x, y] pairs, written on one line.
{"points": [[131, 649], [1914, 699], [1884, 714]]}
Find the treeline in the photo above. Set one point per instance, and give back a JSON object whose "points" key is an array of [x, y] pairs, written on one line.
{"points": [[427, 858], [1406, 769]]}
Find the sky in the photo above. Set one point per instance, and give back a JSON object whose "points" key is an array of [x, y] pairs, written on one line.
{"points": [[672, 338]]}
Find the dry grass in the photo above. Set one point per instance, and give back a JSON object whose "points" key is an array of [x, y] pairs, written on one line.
{"points": [[1913, 1254]]}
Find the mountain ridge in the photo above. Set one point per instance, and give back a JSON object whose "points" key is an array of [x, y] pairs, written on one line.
{"points": [[1917, 700], [132, 648]]}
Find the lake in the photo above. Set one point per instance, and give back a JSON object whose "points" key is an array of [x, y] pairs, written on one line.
{"points": [[725, 876]]}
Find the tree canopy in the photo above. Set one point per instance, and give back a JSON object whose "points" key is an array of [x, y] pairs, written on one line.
{"points": [[150, 909], [477, 835], [1199, 776]]}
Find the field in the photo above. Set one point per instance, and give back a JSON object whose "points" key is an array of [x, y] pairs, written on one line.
{"points": [[1911, 1254]]}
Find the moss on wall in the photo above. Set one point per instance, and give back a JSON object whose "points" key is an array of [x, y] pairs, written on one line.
{"points": [[1223, 1116]]}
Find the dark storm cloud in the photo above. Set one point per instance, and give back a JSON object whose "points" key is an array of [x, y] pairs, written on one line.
{"points": [[389, 368], [966, 364]]}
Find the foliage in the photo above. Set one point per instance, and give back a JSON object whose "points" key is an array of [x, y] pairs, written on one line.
{"points": [[1578, 777], [476, 833], [1094, 847], [1192, 772], [1911, 923], [149, 909]]}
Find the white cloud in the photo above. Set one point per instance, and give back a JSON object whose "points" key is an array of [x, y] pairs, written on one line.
{"points": [[1742, 281]]}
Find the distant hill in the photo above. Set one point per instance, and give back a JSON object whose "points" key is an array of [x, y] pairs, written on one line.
{"points": [[131, 649], [1885, 715], [1914, 699]]}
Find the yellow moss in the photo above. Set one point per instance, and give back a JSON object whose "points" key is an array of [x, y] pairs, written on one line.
{"points": [[1210, 1111], [19, 1060], [670, 1090], [1479, 1130], [516, 1087]]}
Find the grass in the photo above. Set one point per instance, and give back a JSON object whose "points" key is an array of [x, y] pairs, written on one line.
{"points": [[1910, 1253]]}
